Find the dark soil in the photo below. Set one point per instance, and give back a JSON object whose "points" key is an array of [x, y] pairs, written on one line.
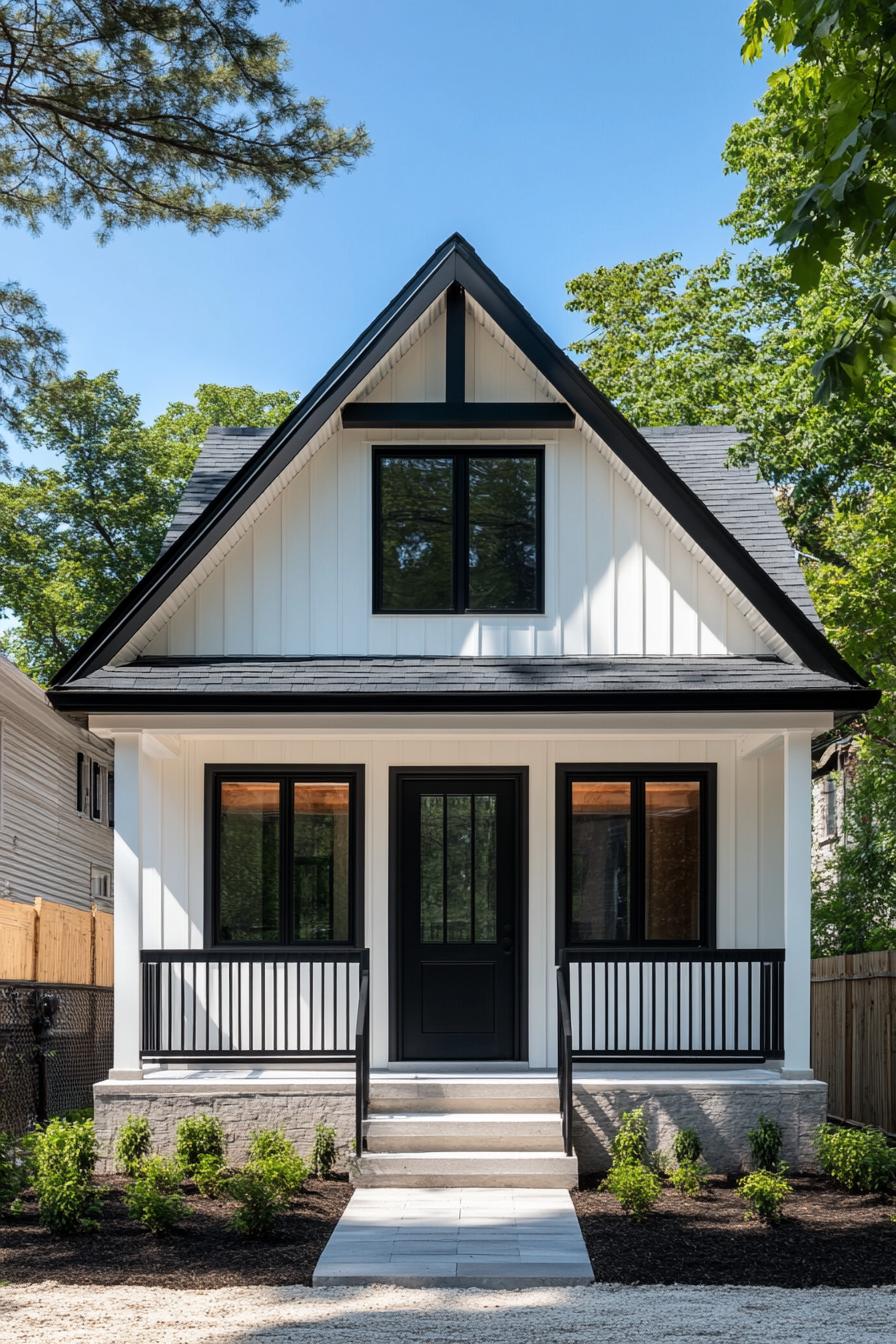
{"points": [[203, 1253], [825, 1237]]}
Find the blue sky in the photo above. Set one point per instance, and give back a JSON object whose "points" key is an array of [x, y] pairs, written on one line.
{"points": [[556, 137]]}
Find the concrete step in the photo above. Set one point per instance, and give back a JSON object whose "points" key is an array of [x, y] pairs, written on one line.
{"points": [[458, 1131], [463, 1094], [445, 1169]]}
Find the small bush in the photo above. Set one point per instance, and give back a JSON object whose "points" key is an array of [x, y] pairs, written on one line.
{"points": [[13, 1173], [635, 1186], [259, 1198], [198, 1136], [272, 1154], [689, 1177], [858, 1159], [765, 1145], [323, 1151], [765, 1192], [210, 1176], [134, 1143], [630, 1142], [687, 1146], [63, 1155], [153, 1198]]}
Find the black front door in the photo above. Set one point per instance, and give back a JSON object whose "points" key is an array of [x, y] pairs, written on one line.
{"points": [[457, 908]]}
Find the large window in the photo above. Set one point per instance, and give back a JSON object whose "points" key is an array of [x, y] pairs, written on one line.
{"points": [[458, 530], [635, 855], [284, 856]]}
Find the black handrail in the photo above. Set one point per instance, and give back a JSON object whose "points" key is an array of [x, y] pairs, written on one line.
{"points": [[564, 1056], [362, 1059]]}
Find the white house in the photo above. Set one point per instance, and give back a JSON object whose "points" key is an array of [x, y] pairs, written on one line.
{"points": [[454, 679]]}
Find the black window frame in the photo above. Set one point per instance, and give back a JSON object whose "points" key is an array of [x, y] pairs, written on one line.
{"points": [[215, 776], [706, 774], [460, 532]]}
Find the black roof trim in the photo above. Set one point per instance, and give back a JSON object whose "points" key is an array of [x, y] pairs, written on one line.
{"points": [[456, 261]]}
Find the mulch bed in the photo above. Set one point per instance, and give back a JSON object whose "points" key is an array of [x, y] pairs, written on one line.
{"points": [[203, 1253], [825, 1238]]}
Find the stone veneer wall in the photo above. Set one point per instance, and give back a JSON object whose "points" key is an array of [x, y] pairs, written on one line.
{"points": [[721, 1112], [242, 1108]]}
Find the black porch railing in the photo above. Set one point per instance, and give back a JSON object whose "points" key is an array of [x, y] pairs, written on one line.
{"points": [[663, 1004]]}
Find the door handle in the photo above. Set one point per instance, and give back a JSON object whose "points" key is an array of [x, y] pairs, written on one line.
{"points": [[506, 945]]}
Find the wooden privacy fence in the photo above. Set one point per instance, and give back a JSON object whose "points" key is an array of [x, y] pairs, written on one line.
{"points": [[854, 1035], [55, 944]]}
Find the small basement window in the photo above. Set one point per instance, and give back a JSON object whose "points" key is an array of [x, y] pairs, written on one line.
{"points": [[458, 530], [635, 856]]}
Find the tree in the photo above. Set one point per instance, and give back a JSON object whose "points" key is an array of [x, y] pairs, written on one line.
{"points": [[75, 537], [143, 111], [820, 161]]}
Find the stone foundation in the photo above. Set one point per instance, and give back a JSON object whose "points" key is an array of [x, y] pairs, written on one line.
{"points": [[242, 1107], [720, 1111]]}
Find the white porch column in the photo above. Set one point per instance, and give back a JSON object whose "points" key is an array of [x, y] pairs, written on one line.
{"points": [[126, 1000], [797, 900]]}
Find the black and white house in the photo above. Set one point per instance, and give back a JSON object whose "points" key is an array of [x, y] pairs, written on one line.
{"points": [[463, 753]]}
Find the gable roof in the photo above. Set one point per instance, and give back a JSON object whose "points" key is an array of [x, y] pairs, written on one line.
{"points": [[455, 262]]}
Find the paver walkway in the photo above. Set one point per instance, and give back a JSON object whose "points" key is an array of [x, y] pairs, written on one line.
{"points": [[461, 1237]]}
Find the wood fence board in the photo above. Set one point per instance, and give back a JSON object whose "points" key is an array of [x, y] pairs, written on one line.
{"points": [[64, 945], [17, 924], [854, 1035], [103, 957]]}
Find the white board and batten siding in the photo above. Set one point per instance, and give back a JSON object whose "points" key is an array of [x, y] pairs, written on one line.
{"points": [[48, 849], [172, 877], [619, 578]]}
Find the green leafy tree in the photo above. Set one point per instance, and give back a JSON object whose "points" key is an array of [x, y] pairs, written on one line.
{"points": [[139, 112], [820, 162], [75, 537]]}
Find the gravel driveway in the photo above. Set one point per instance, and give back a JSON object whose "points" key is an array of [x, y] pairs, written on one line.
{"points": [[47, 1314]]}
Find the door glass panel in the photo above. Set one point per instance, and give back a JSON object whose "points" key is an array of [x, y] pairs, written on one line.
{"points": [[600, 861], [249, 862], [503, 534], [486, 867], [432, 868], [672, 876], [321, 862], [459, 838], [416, 525]]}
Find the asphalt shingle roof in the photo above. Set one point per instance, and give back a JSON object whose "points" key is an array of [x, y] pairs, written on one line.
{"points": [[743, 504]]}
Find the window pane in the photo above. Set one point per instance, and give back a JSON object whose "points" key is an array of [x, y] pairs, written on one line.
{"points": [[416, 523], [600, 861], [503, 539], [321, 862], [486, 867], [459, 869], [249, 873], [672, 877], [432, 871]]}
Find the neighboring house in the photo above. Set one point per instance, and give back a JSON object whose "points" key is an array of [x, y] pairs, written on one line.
{"points": [[56, 810], [833, 766], [453, 679]]}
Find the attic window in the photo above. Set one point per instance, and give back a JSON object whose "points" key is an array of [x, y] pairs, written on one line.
{"points": [[458, 530]]}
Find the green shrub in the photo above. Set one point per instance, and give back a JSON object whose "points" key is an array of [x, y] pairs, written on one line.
{"points": [[153, 1197], [63, 1155], [210, 1176], [687, 1146], [858, 1159], [13, 1173], [134, 1143], [198, 1136], [323, 1151], [634, 1185], [765, 1145], [630, 1141], [259, 1198], [765, 1192], [689, 1177], [272, 1154], [78, 1113]]}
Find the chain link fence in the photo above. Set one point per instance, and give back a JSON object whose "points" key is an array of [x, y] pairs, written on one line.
{"points": [[55, 1043]]}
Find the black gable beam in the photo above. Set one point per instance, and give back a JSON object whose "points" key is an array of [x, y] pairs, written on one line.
{"points": [[455, 345], [457, 415]]}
